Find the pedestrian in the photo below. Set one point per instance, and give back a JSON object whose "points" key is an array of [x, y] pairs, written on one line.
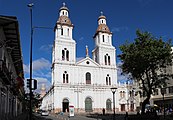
{"points": [[103, 111], [126, 116]]}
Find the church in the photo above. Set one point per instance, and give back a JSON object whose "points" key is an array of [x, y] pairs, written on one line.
{"points": [[85, 84]]}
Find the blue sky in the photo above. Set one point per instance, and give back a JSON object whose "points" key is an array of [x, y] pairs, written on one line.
{"points": [[124, 17]]}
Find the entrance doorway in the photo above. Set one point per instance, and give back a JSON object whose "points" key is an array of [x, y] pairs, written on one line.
{"points": [[122, 107], [108, 105], [88, 105], [65, 105]]}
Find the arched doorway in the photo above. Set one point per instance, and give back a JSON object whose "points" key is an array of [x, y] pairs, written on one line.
{"points": [[108, 105], [122, 107], [88, 105], [65, 105]]}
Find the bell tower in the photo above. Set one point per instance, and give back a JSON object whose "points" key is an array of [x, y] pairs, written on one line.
{"points": [[104, 52], [64, 48]]}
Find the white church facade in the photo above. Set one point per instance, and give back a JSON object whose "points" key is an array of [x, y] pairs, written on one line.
{"points": [[86, 83]]}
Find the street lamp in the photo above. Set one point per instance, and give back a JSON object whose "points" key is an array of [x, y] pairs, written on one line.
{"points": [[163, 93], [30, 83], [113, 89]]}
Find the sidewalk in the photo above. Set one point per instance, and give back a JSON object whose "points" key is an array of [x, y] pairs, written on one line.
{"points": [[22, 116]]}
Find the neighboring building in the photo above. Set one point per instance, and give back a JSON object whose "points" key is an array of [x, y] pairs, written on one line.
{"points": [[127, 100], [157, 96], [11, 68], [85, 84]]}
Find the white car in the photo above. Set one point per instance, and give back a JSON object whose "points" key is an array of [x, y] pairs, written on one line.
{"points": [[44, 113]]}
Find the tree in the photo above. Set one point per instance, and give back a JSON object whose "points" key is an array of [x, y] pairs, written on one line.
{"points": [[145, 61]]}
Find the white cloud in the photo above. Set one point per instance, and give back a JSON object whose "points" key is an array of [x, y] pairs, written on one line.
{"points": [[38, 64], [41, 72], [41, 63], [81, 38], [46, 47], [40, 81], [26, 68]]}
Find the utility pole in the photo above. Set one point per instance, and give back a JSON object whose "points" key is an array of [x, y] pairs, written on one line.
{"points": [[30, 83]]}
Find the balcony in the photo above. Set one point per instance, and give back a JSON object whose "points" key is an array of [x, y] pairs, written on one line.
{"points": [[4, 73]]}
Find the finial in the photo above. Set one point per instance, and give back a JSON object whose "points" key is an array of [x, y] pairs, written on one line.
{"points": [[63, 4], [86, 51], [101, 13]]}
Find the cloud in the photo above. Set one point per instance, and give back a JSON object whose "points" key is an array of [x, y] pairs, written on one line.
{"points": [[41, 63], [26, 68], [40, 82], [41, 72], [81, 38], [46, 47], [118, 29], [38, 64]]}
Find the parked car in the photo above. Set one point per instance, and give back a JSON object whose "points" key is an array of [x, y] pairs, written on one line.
{"points": [[44, 113]]}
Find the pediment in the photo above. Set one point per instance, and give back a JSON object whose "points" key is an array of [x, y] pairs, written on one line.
{"points": [[87, 62]]}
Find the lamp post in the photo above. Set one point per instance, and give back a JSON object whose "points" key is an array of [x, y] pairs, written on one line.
{"points": [[163, 93], [113, 89], [30, 83]]}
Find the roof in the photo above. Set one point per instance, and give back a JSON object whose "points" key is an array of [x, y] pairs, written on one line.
{"points": [[64, 8], [11, 31], [64, 20], [101, 17], [102, 28]]}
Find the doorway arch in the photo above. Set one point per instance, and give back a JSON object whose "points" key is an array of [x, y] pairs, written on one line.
{"points": [[65, 105], [88, 104], [108, 105]]}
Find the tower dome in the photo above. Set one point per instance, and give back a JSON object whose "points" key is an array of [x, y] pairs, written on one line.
{"points": [[102, 27], [63, 16]]}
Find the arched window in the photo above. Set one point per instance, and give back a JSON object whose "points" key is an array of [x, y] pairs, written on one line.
{"points": [[121, 94], [108, 80], [107, 59], [88, 78], [67, 55], [109, 62], [65, 77], [63, 12], [61, 31], [103, 38], [68, 31], [63, 55]]}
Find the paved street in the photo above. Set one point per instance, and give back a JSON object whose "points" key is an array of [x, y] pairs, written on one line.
{"points": [[78, 117]]}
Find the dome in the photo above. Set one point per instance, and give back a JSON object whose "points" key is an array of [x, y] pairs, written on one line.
{"points": [[102, 28], [63, 8], [64, 20], [101, 17]]}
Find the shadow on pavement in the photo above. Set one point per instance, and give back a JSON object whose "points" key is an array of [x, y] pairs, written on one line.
{"points": [[106, 116]]}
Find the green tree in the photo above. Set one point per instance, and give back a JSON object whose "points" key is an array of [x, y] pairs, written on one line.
{"points": [[145, 60]]}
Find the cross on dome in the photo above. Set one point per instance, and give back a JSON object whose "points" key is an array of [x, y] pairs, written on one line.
{"points": [[101, 13], [63, 4]]}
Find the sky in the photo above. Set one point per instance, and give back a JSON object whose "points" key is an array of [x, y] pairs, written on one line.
{"points": [[124, 17]]}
